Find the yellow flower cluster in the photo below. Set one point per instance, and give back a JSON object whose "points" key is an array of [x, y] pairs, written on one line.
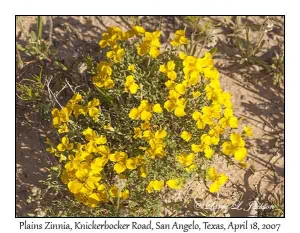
{"points": [[145, 138], [60, 118], [130, 84], [144, 111], [157, 185], [150, 44], [236, 147], [112, 39], [103, 77], [179, 38], [187, 161]]}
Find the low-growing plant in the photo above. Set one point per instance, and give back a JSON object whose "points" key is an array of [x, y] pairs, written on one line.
{"points": [[275, 204], [151, 119], [249, 46], [202, 35], [35, 46], [31, 89]]}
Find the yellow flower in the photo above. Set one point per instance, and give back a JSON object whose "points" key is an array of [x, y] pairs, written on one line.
{"points": [[134, 113], [131, 68], [74, 100], [81, 174], [116, 53], [120, 167], [150, 44], [131, 85], [131, 163], [212, 111], [228, 148], [145, 125], [160, 133], [113, 192], [169, 70], [143, 172], [185, 160], [170, 84], [196, 94], [222, 179], [235, 147], [65, 144], [104, 151], [240, 154], [94, 113], [124, 194], [138, 30], [214, 187], [186, 136], [103, 76], [120, 158], [208, 152], [75, 186], [229, 120], [135, 31], [179, 38], [60, 116], [137, 133], [177, 105], [157, 108], [79, 110], [51, 150], [93, 200], [218, 180], [63, 129], [191, 168], [197, 148], [98, 164], [174, 184], [248, 131], [181, 88], [182, 55], [211, 174], [48, 141], [110, 37], [207, 118], [143, 111], [93, 108], [206, 139], [91, 136], [237, 140], [191, 70], [155, 185]]}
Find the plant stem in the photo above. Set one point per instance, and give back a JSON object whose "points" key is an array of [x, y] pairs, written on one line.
{"points": [[39, 27], [20, 63], [50, 31], [160, 22]]}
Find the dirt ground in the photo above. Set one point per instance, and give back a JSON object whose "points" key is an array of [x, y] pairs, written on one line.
{"points": [[259, 103]]}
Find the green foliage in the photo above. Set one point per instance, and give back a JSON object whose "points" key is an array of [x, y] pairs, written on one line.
{"points": [[31, 89], [250, 47]]}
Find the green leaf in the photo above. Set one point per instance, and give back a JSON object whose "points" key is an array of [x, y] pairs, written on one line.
{"points": [[33, 36], [213, 51], [20, 47], [60, 65]]}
